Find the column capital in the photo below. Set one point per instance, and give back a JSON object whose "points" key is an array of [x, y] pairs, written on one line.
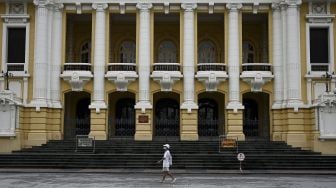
{"points": [[276, 6], [58, 7], [189, 6], [42, 3], [293, 3], [234, 6], [144, 6], [99, 6]]}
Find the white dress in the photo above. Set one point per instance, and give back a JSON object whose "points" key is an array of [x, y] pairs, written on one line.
{"points": [[167, 161]]}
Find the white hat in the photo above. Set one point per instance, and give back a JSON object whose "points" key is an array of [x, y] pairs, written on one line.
{"points": [[166, 145]]}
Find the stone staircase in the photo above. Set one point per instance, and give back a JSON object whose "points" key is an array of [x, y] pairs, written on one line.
{"points": [[201, 155]]}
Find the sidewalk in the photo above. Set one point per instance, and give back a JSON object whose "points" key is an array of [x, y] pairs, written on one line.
{"points": [[175, 171]]}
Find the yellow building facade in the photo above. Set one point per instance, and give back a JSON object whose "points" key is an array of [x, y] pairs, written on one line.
{"points": [[149, 70]]}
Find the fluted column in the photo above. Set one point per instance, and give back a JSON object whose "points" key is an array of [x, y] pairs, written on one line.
{"points": [[233, 57], [188, 57], [277, 57], [41, 55], [293, 56], [99, 58], [56, 56], [283, 8], [144, 56]]}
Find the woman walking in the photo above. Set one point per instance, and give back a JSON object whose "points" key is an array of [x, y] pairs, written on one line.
{"points": [[167, 161]]}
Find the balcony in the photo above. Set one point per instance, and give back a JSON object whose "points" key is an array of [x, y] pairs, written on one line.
{"points": [[166, 74], [211, 74], [77, 74], [256, 74], [121, 74]]}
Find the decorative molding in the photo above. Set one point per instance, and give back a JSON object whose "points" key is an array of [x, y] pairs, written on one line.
{"points": [[77, 79], [166, 78], [211, 79], [121, 78], [166, 7], [294, 3], [122, 7], [234, 6], [211, 7], [42, 3], [256, 79], [99, 6], [144, 6], [189, 7], [255, 7], [16, 8], [78, 8]]}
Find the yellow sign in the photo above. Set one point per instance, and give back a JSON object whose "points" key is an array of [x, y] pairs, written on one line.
{"points": [[228, 143]]}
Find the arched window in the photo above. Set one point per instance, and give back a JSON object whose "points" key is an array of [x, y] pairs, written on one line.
{"points": [[127, 52], [85, 53], [206, 52], [167, 52], [248, 52]]}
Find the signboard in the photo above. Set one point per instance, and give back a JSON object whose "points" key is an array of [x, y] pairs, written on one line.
{"points": [[85, 142], [143, 119], [228, 143], [241, 156]]}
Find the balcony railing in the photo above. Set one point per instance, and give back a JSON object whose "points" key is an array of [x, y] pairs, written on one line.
{"points": [[257, 67], [166, 67], [15, 66], [121, 67], [77, 67], [211, 67], [322, 67]]}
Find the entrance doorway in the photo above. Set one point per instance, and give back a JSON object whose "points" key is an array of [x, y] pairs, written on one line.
{"points": [[77, 114], [256, 121], [167, 115], [121, 114]]}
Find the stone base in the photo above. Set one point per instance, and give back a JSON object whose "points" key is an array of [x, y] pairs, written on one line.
{"points": [[235, 124], [189, 129], [143, 126], [98, 124]]}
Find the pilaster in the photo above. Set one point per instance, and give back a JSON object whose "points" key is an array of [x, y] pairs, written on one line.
{"points": [[144, 56], [233, 57], [235, 124], [188, 57], [189, 125], [56, 56], [277, 57], [293, 56], [41, 55], [98, 124], [99, 58], [144, 127]]}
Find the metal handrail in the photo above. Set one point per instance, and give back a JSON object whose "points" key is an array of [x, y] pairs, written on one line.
{"points": [[121, 67], [211, 67], [257, 67], [166, 67], [77, 67]]}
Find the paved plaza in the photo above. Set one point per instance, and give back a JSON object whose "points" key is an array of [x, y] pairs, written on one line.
{"points": [[97, 180]]}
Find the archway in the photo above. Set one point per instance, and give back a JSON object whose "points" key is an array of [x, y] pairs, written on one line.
{"points": [[77, 114], [121, 114], [167, 114], [211, 119], [256, 121]]}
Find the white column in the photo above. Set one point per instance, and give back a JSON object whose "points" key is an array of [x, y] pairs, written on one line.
{"points": [[144, 56], [41, 55], [56, 56], [188, 57], [233, 57], [293, 57], [99, 58], [283, 8], [277, 57]]}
